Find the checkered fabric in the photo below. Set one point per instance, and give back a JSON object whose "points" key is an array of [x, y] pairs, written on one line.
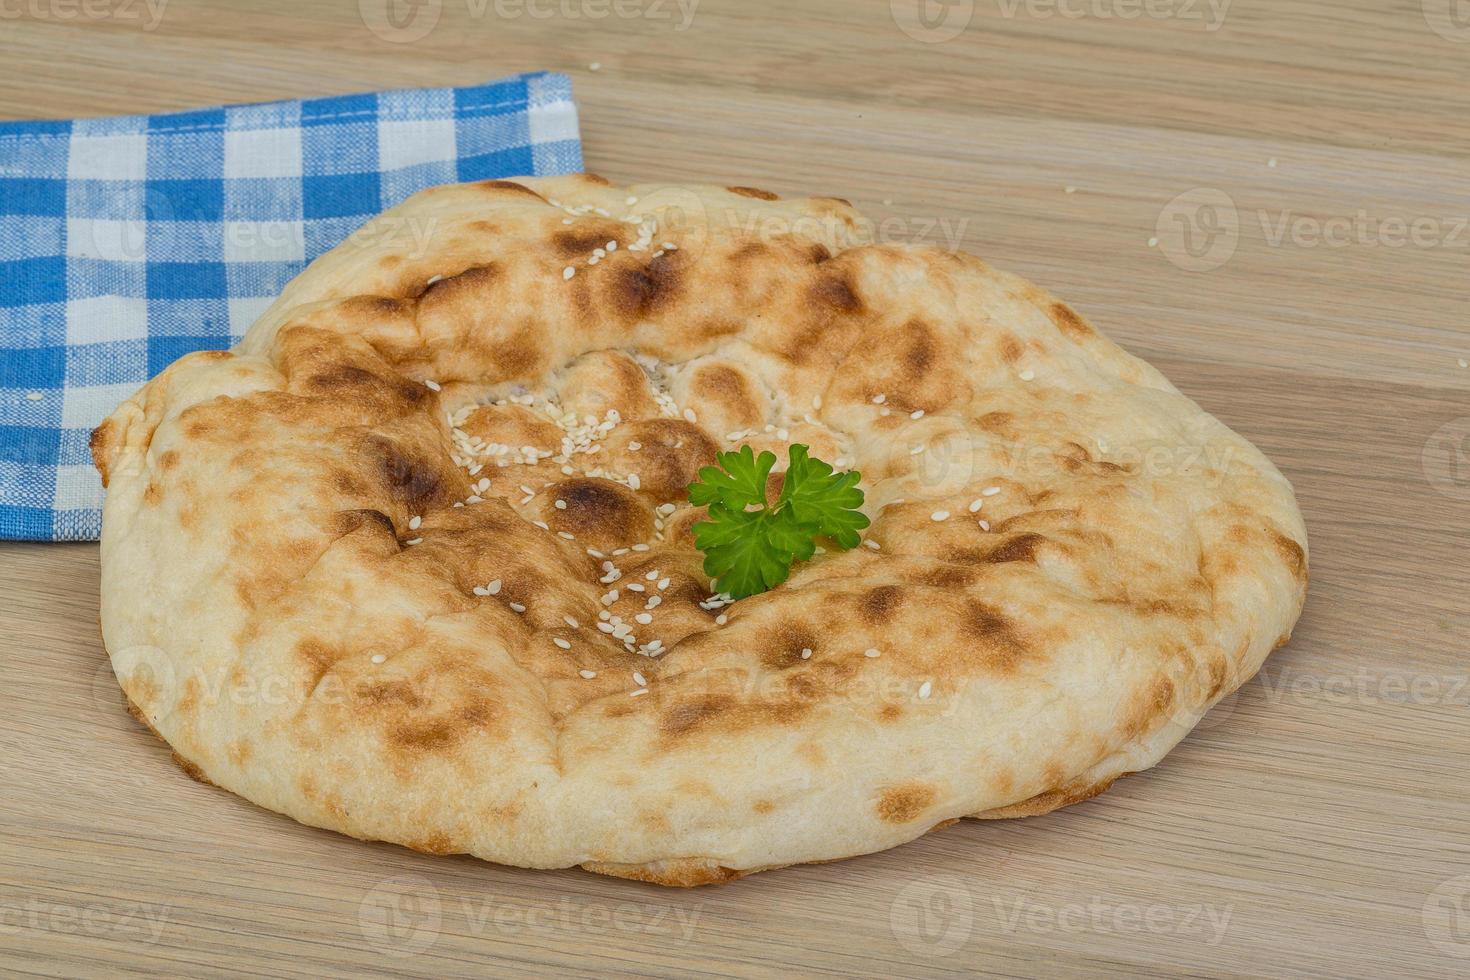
{"points": [[127, 242]]}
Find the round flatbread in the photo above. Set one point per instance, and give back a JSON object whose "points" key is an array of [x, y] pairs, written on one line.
{"points": [[413, 561]]}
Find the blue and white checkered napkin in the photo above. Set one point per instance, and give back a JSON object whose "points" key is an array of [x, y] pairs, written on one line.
{"points": [[129, 241]]}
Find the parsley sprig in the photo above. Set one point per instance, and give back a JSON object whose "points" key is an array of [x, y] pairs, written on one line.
{"points": [[750, 545]]}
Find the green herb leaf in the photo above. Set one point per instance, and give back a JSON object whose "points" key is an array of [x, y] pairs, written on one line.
{"points": [[829, 500], [750, 545]]}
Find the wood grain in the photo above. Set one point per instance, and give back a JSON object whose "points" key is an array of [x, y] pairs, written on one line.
{"points": [[1316, 822]]}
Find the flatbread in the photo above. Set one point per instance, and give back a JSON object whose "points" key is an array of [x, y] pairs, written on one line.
{"points": [[311, 593]]}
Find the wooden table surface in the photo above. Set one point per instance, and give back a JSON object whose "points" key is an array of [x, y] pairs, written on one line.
{"points": [[1268, 199]]}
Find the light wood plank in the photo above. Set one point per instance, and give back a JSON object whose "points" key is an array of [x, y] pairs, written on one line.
{"points": [[1303, 829]]}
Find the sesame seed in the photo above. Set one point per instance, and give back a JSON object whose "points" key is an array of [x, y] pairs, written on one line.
{"points": [[634, 482], [1464, 363], [976, 504], [984, 525], [610, 597], [1271, 163], [639, 680], [561, 643], [566, 534], [689, 416], [561, 504], [1027, 374], [917, 414], [612, 246], [721, 619], [414, 522], [36, 396], [481, 590], [378, 658], [494, 587], [605, 627], [1071, 190], [635, 586], [870, 543], [414, 541], [566, 221], [1153, 243], [990, 491], [633, 447], [652, 575], [595, 66], [871, 652], [643, 619], [653, 601], [917, 449], [940, 515], [517, 607], [641, 690], [806, 653], [570, 621], [568, 272], [925, 689], [589, 674], [431, 384], [640, 547], [542, 525], [663, 583]]}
